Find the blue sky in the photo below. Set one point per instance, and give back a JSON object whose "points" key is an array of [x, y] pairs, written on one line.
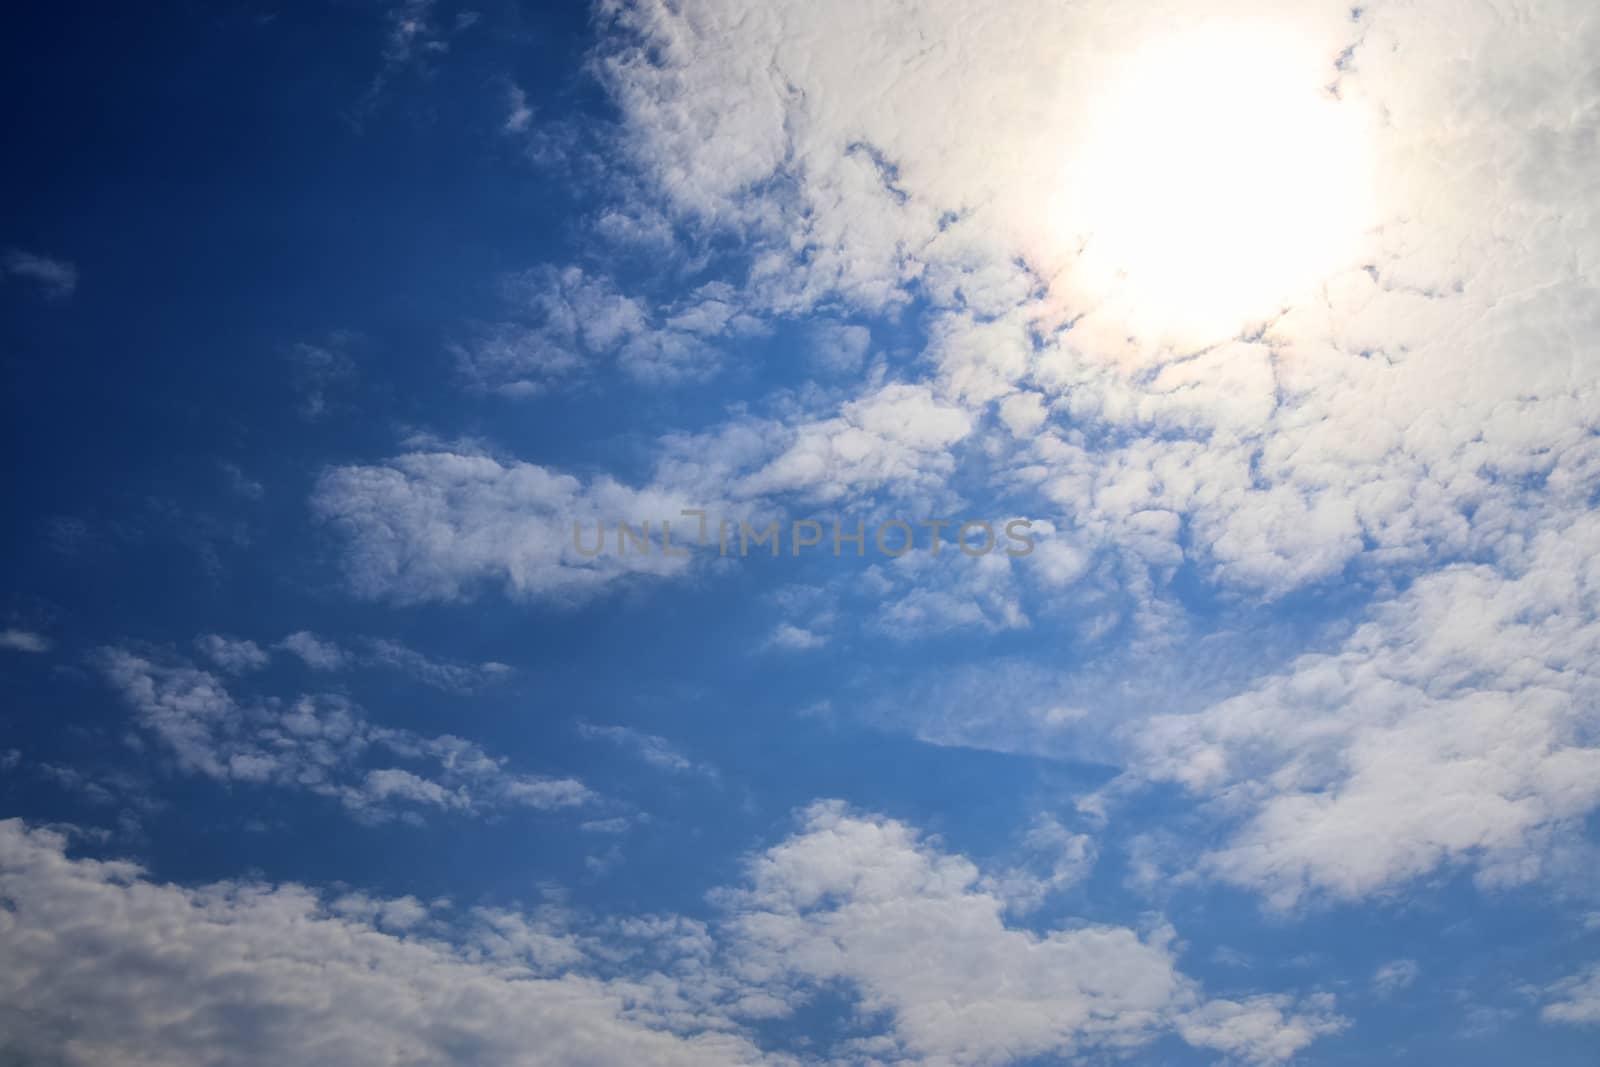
{"points": [[324, 324]]}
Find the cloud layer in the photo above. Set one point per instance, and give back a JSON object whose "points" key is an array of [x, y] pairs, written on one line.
{"points": [[259, 973]]}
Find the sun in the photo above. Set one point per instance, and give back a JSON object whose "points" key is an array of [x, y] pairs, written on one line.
{"points": [[1217, 179]]}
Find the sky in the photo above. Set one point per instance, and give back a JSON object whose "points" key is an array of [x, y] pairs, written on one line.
{"points": [[1241, 359]]}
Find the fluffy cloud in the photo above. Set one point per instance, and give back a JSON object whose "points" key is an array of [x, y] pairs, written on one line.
{"points": [[847, 897], [1405, 411], [439, 525], [322, 744], [898, 437], [259, 974], [436, 525], [1456, 726], [272, 974], [1431, 405], [921, 593]]}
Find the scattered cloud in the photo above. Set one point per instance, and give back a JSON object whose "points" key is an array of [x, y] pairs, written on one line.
{"points": [[897, 436], [937, 974], [314, 652], [795, 638], [567, 324], [232, 655], [1455, 726], [414, 34], [320, 743], [1339, 433]]}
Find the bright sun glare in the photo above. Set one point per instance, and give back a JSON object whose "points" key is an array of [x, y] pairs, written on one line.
{"points": [[1219, 179]]}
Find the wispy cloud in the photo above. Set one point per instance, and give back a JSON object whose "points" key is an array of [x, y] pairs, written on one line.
{"points": [[454, 677], [320, 743], [1395, 976], [656, 751], [56, 278], [17, 640]]}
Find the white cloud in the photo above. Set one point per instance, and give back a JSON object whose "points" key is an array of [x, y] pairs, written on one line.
{"points": [[1262, 1029], [1575, 1000], [1395, 976], [1456, 726], [1405, 411], [257, 973], [437, 525], [519, 116], [923, 594], [840, 347], [322, 744], [656, 751], [410, 32], [442, 524], [57, 278], [896, 437], [566, 323], [1023, 413], [454, 677], [1064, 857], [917, 934], [260, 974], [795, 638], [16, 640], [321, 654], [314, 652], [232, 655], [401, 913]]}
